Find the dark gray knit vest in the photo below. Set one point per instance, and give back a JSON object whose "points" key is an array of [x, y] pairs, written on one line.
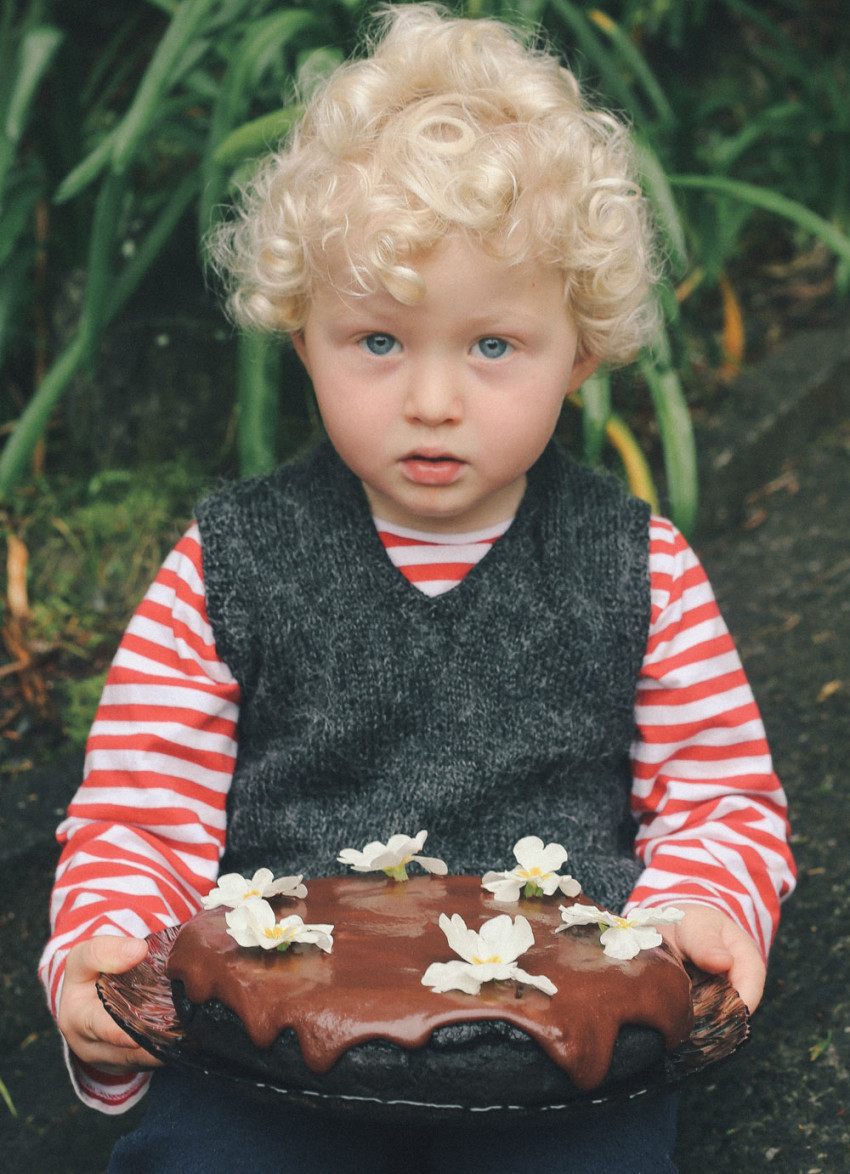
{"points": [[501, 709]]}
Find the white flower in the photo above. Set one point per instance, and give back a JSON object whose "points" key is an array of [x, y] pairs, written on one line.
{"points": [[489, 956], [253, 924], [392, 857], [537, 874], [232, 889], [622, 937]]}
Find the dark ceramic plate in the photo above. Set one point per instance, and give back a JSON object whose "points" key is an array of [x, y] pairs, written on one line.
{"points": [[140, 1001]]}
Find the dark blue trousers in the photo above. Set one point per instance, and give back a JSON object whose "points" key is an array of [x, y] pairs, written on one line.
{"points": [[203, 1126]]}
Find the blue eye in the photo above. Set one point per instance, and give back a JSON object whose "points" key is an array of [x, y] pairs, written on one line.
{"points": [[379, 344], [493, 348]]}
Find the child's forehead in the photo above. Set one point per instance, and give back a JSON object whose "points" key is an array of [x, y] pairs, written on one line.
{"points": [[454, 283], [351, 272]]}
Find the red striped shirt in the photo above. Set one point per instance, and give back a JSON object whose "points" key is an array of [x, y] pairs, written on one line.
{"points": [[144, 834]]}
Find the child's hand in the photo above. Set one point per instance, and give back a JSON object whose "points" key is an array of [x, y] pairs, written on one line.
{"points": [[718, 945], [92, 1034]]}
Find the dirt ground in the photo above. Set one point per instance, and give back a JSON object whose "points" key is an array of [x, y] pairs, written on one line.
{"points": [[784, 587], [782, 574]]}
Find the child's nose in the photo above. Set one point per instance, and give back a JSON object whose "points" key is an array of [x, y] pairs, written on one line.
{"points": [[432, 395]]}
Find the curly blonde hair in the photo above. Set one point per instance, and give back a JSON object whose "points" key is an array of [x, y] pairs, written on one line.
{"points": [[448, 126]]}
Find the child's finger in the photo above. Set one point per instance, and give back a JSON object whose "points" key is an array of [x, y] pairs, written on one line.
{"points": [[103, 955], [747, 975]]}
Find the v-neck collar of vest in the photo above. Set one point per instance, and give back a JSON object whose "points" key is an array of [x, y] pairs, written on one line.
{"points": [[356, 531]]}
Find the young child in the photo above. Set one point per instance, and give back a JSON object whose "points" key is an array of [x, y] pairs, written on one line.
{"points": [[436, 619]]}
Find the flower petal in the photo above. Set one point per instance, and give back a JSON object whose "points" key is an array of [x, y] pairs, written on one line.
{"points": [[540, 981], [665, 915], [432, 864], [452, 976], [229, 890], [620, 943], [465, 942], [286, 886], [530, 853], [583, 915], [505, 937], [504, 886], [312, 935]]}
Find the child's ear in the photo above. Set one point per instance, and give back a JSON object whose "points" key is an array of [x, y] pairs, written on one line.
{"points": [[583, 368]]}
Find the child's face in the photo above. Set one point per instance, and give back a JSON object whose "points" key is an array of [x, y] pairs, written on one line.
{"points": [[441, 408]]}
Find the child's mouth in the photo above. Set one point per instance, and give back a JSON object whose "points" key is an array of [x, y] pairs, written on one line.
{"points": [[424, 468]]}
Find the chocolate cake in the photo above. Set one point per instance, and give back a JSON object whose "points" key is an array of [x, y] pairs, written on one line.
{"points": [[358, 1022]]}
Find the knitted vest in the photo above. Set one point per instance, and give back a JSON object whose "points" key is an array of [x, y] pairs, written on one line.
{"points": [[503, 708]]}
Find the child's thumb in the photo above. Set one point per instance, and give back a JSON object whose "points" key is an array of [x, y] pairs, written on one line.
{"points": [[107, 954]]}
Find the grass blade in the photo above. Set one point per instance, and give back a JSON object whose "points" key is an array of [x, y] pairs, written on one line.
{"points": [[657, 187], [36, 52], [677, 435], [159, 75], [637, 63], [771, 201], [255, 137], [86, 171], [635, 464], [10, 1105], [596, 405], [34, 419], [258, 378], [588, 43]]}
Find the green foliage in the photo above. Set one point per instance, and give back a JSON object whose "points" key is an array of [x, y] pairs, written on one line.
{"points": [[742, 120], [77, 700], [27, 48], [94, 549]]}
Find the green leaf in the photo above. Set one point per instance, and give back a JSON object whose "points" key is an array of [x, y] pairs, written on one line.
{"points": [[258, 378], [167, 62], [86, 171], [255, 137], [596, 404], [16, 217], [677, 434], [4, 1093], [35, 417], [609, 69], [637, 63], [819, 1047], [35, 54], [771, 201], [657, 187]]}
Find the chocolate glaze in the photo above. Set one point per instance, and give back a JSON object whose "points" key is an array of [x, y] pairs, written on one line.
{"points": [[385, 936]]}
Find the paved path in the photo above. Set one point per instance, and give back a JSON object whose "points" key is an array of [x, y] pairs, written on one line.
{"points": [[783, 579]]}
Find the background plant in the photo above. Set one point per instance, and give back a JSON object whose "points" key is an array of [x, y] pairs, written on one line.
{"points": [[112, 150]]}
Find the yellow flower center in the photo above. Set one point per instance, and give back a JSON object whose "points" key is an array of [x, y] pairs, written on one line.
{"points": [[486, 961], [279, 933], [532, 873]]}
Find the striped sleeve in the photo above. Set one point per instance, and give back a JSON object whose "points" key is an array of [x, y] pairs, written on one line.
{"points": [[712, 816], [144, 833]]}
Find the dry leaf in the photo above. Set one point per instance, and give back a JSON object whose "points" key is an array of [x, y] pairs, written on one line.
{"points": [[16, 577]]}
